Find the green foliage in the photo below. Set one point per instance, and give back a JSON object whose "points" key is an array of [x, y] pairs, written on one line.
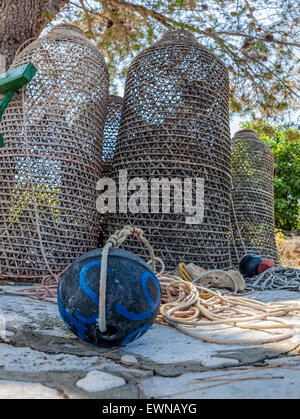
{"points": [[285, 145], [257, 40]]}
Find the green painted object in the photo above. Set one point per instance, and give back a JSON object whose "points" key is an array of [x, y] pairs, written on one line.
{"points": [[12, 81]]}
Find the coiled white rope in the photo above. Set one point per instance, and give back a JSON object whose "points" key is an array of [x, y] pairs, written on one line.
{"points": [[190, 307], [277, 278]]}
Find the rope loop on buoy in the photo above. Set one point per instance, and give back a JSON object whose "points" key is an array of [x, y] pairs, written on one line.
{"points": [[115, 240]]}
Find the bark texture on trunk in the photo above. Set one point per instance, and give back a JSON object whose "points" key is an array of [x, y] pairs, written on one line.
{"points": [[21, 20]]}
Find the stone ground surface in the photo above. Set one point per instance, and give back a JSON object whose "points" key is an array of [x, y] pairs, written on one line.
{"points": [[40, 358]]}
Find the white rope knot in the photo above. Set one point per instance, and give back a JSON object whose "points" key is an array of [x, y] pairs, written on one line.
{"points": [[120, 236], [115, 240]]}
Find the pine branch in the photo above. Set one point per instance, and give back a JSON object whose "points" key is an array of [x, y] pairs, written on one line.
{"points": [[170, 23]]}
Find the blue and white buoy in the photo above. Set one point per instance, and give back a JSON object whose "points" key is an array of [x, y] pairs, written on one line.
{"points": [[131, 304]]}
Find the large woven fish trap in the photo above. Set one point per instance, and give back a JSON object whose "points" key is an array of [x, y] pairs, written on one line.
{"points": [[252, 212], [53, 132], [175, 125], [111, 129]]}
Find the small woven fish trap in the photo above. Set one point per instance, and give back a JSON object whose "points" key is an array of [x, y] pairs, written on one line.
{"points": [[252, 212], [175, 125], [53, 133], [111, 129]]}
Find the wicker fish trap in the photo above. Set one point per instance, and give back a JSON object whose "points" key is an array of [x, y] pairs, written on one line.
{"points": [[252, 212], [111, 129], [175, 125], [51, 161]]}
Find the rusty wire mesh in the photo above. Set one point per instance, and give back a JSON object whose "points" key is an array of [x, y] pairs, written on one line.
{"points": [[252, 211], [175, 124], [111, 129], [53, 133]]}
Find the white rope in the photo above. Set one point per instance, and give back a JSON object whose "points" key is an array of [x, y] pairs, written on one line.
{"points": [[162, 264], [116, 240], [177, 313], [277, 278], [102, 288], [191, 312]]}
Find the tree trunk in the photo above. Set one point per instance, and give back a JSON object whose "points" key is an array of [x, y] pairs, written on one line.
{"points": [[21, 20]]}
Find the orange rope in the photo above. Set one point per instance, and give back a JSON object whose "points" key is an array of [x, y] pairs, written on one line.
{"points": [[47, 287]]}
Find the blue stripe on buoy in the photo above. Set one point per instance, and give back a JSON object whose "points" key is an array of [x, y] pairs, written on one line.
{"points": [[87, 320], [136, 334], [153, 305], [83, 283], [66, 316]]}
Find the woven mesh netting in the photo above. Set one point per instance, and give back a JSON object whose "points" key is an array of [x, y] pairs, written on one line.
{"points": [[111, 129], [53, 132], [175, 125], [252, 212]]}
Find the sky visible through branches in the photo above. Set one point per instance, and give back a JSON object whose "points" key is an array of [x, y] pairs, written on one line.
{"points": [[241, 32]]}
